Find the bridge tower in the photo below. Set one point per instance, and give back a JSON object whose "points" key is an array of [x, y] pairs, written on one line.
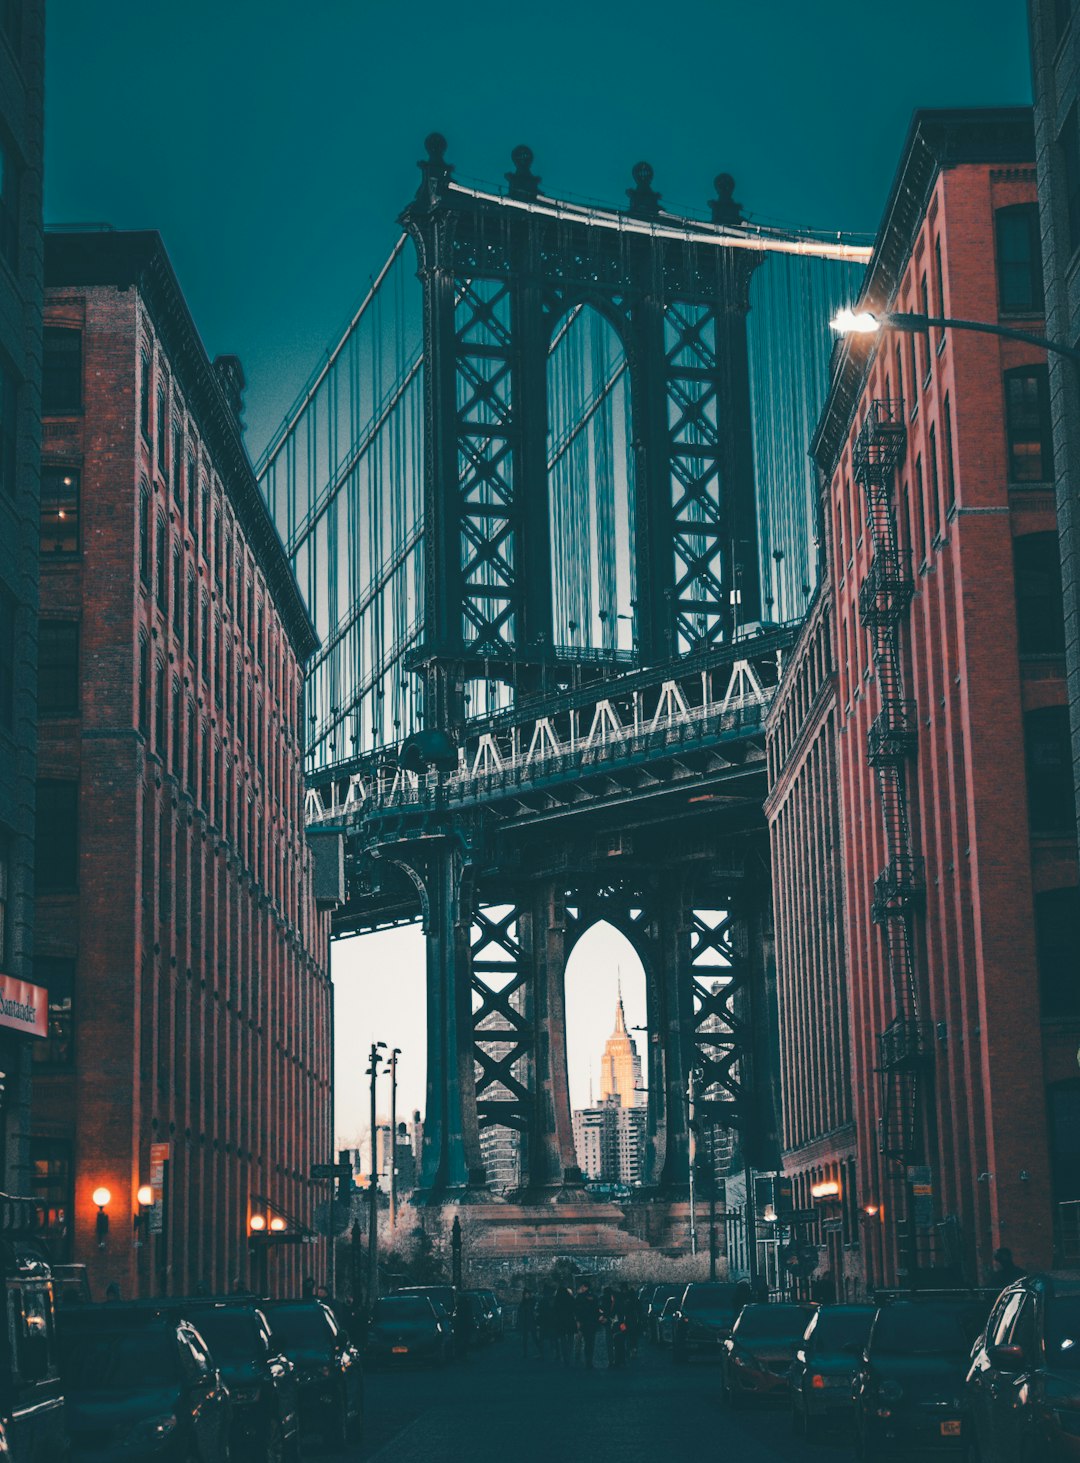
{"points": [[520, 607]]}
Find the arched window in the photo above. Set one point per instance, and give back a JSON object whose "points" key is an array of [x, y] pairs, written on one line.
{"points": [[144, 535], [1040, 615], [160, 567], [1051, 809], [590, 485]]}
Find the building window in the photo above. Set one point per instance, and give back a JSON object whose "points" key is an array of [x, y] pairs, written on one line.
{"points": [[950, 466], [1040, 614], [1027, 423], [56, 846], [204, 520], [144, 535], [61, 377], [1057, 939], [177, 730], [58, 978], [8, 614], [192, 747], [159, 710], [228, 564], [58, 668], [1069, 146], [913, 372], [1051, 809], [192, 617], [161, 586], [9, 413], [217, 546], [178, 465], [144, 685], [204, 771], [939, 279], [144, 397], [59, 512], [162, 432], [192, 495], [204, 641], [5, 899], [177, 595], [919, 526], [9, 205], [935, 487], [1019, 263], [54, 1185]]}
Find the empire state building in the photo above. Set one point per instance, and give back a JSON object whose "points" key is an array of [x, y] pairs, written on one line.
{"points": [[620, 1066]]}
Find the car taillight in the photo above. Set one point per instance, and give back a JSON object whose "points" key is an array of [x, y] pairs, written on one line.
{"points": [[817, 1381]]}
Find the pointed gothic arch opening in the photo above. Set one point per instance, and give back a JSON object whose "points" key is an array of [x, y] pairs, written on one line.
{"points": [[607, 1054], [590, 468]]}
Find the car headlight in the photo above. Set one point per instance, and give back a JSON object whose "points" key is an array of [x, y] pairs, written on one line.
{"points": [[153, 1429]]}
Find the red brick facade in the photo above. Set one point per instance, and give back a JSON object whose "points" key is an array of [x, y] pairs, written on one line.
{"points": [[818, 1137], [980, 655], [186, 932]]}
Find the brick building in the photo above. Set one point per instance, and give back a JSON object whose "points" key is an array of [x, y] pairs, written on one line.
{"points": [[22, 1004], [803, 812], [953, 766], [186, 963], [1055, 71]]}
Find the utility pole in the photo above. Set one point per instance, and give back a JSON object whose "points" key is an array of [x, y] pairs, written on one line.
{"points": [[393, 1138], [692, 1132], [373, 1182]]}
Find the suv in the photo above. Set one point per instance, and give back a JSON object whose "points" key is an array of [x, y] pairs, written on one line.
{"points": [[327, 1368], [1023, 1385], [825, 1365], [909, 1389], [704, 1319]]}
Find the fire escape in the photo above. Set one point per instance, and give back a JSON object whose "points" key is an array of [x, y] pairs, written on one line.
{"points": [[884, 601]]}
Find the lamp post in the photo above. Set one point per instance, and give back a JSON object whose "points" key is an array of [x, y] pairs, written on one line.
{"points": [[691, 1097], [102, 1198], [257, 1240], [144, 1201], [393, 1137], [867, 322], [377, 1047]]}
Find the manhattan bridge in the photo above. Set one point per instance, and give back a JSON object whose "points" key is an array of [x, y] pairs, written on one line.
{"points": [[549, 503]]}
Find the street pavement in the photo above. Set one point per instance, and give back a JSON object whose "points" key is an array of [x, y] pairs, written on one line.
{"points": [[496, 1407]]}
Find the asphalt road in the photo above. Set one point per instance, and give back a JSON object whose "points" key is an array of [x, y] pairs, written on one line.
{"points": [[498, 1408]]}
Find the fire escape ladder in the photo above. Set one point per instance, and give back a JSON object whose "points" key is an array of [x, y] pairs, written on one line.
{"points": [[884, 599]]}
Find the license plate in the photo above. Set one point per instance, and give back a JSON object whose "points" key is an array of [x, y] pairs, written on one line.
{"points": [[400, 1350], [950, 1429]]}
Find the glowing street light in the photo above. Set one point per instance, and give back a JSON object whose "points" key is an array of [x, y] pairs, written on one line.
{"points": [[867, 322], [277, 1224], [855, 322], [257, 1223]]}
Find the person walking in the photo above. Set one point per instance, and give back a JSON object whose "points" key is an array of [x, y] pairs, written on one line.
{"points": [[528, 1325], [587, 1317], [617, 1330], [565, 1323], [631, 1309], [1006, 1270]]}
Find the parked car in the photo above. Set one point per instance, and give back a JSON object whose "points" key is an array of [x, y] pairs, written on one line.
{"points": [[446, 1297], [759, 1352], [261, 1380], [71, 1284], [654, 1307], [704, 1319], [909, 1389], [407, 1328], [481, 1316], [1023, 1384], [665, 1323], [328, 1371], [31, 1389], [826, 1362], [140, 1387]]}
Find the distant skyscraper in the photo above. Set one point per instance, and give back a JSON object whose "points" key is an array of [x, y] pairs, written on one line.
{"points": [[620, 1066]]}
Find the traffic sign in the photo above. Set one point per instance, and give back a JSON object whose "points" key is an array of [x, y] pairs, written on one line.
{"points": [[331, 1170]]}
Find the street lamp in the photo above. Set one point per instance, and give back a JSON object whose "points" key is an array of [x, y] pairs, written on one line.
{"points": [[144, 1199], [869, 322], [377, 1048], [102, 1197], [393, 1137]]}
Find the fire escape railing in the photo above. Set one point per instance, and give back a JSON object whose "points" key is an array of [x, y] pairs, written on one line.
{"points": [[884, 601]]}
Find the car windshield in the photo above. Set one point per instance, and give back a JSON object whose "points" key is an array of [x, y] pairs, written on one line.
{"points": [[1063, 1332], [232, 1335], [927, 1328], [707, 1299], [119, 1361], [842, 1328], [776, 1323], [402, 1308], [442, 1295], [301, 1326]]}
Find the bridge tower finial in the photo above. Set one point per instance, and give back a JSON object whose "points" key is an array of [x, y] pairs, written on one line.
{"points": [[523, 181], [435, 170], [644, 199], [724, 208]]}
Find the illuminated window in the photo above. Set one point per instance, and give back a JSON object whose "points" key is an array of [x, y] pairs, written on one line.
{"points": [[59, 512], [1027, 420]]}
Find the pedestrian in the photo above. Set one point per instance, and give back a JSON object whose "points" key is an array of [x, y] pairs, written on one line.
{"points": [[1006, 1270], [545, 1316], [527, 1321], [587, 1320], [631, 1309], [307, 1290], [617, 1330], [565, 1323], [112, 1292]]}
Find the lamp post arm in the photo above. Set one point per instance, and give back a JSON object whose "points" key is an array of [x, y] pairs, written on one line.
{"points": [[917, 324]]}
